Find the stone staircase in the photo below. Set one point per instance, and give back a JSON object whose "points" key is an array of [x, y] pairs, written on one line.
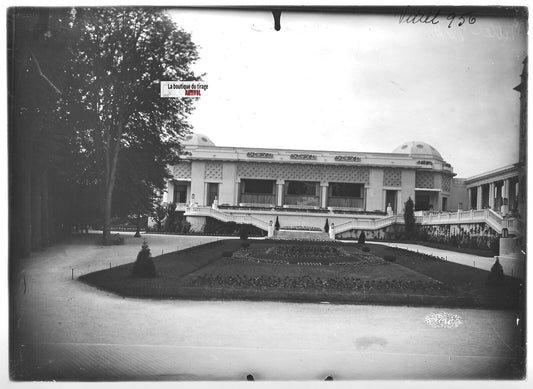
{"points": [[301, 235]]}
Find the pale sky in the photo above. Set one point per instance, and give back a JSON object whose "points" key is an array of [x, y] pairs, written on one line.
{"points": [[360, 83]]}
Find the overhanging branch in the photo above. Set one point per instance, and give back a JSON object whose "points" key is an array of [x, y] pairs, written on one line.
{"points": [[42, 74]]}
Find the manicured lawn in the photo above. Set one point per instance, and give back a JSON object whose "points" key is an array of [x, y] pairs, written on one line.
{"points": [[466, 250], [309, 271]]}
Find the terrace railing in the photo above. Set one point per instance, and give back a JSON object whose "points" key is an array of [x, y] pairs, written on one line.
{"points": [[260, 199], [301, 200], [226, 217], [346, 202], [493, 219], [368, 224]]}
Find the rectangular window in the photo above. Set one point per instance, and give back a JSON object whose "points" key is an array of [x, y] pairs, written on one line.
{"points": [[301, 188], [180, 193], [340, 189], [258, 186]]}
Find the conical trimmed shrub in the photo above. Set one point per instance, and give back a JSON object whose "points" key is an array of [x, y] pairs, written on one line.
{"points": [[144, 266], [496, 276]]}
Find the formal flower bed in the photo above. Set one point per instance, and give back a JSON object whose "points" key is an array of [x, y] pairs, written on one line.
{"points": [[320, 254], [308, 251], [307, 282]]}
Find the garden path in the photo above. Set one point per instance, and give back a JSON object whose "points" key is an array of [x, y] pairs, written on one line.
{"points": [[70, 330], [511, 267]]}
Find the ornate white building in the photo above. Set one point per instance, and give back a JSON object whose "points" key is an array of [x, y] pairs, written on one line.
{"points": [[354, 190]]}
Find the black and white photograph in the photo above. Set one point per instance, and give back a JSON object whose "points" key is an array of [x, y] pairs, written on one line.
{"points": [[267, 193]]}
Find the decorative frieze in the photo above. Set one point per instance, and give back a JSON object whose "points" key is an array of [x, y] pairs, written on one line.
{"points": [[252, 154], [306, 157], [347, 158], [292, 171]]}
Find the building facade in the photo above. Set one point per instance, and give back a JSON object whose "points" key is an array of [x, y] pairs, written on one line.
{"points": [[313, 179]]}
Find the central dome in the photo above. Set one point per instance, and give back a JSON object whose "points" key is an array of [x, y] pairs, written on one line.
{"points": [[196, 139], [417, 148]]}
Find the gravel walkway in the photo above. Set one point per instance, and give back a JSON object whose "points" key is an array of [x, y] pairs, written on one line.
{"points": [[71, 331], [511, 267]]}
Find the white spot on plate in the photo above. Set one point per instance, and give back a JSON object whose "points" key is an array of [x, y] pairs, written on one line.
{"points": [[443, 320]]}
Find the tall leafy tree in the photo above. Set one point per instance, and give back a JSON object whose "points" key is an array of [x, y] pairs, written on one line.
{"points": [[39, 40], [112, 97]]}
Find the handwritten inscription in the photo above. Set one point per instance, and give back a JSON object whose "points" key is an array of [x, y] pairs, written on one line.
{"points": [[416, 16]]}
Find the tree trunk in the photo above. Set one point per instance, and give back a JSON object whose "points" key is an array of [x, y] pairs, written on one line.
{"points": [[20, 196], [138, 231], [24, 210], [45, 222], [111, 169], [51, 217], [36, 220]]}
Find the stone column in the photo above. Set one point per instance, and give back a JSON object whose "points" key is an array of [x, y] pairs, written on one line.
{"points": [[492, 194], [279, 196], [469, 199], [505, 198], [237, 192], [399, 202], [206, 194], [324, 194], [505, 189], [479, 197]]}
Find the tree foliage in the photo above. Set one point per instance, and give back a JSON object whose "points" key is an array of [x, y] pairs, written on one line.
{"points": [[90, 137], [112, 102]]}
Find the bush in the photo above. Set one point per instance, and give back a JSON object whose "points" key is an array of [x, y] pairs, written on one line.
{"points": [[227, 254], [144, 265], [495, 246], [217, 227], [243, 232], [245, 245], [171, 218], [366, 249], [362, 238], [116, 239], [389, 258], [496, 276]]}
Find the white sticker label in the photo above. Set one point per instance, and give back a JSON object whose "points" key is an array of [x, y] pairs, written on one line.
{"points": [[183, 88]]}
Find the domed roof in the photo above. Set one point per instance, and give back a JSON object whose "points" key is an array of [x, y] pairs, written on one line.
{"points": [[196, 139], [419, 149]]}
